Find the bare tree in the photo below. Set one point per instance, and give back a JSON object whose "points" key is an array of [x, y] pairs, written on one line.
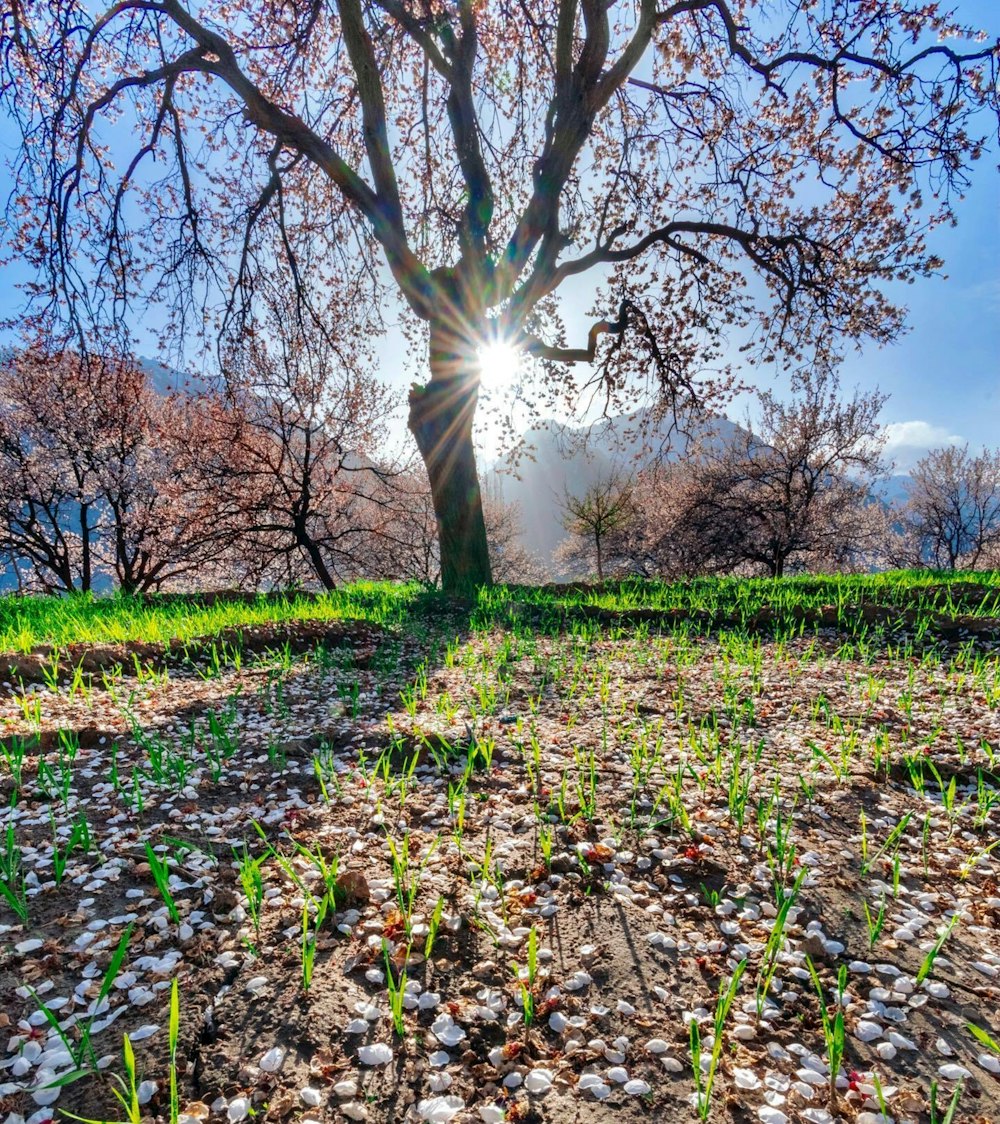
{"points": [[597, 520], [953, 508]]}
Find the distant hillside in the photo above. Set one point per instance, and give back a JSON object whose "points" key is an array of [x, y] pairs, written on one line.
{"points": [[571, 460], [895, 490]]}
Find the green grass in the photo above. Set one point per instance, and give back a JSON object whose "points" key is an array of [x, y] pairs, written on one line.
{"points": [[792, 604], [28, 622]]}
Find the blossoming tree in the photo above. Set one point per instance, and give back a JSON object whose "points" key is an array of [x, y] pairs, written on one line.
{"points": [[724, 172]]}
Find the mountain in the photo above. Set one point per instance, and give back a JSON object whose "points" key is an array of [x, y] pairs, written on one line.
{"points": [[562, 459], [895, 490]]}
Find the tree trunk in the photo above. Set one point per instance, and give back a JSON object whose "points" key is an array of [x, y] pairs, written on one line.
{"points": [[86, 577], [318, 563], [600, 559], [440, 420]]}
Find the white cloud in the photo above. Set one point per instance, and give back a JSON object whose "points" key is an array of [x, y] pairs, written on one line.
{"points": [[906, 442]]}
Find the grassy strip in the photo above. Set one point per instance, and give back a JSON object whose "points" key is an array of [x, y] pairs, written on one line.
{"points": [[27, 622]]}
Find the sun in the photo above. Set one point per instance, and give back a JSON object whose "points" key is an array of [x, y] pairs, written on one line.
{"points": [[499, 362]]}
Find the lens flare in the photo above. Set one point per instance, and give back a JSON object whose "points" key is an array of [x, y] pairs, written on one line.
{"points": [[498, 364]]}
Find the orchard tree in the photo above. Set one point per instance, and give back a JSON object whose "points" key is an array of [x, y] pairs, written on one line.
{"points": [[53, 425], [163, 527], [101, 473], [725, 171], [598, 521], [294, 427], [953, 508], [405, 546], [793, 490]]}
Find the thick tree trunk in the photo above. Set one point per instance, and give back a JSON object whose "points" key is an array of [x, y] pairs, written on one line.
{"points": [[441, 415]]}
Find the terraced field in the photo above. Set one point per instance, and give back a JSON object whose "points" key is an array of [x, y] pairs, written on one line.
{"points": [[718, 851]]}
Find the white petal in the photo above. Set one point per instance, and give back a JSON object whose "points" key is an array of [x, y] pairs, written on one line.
{"points": [[377, 1054]]}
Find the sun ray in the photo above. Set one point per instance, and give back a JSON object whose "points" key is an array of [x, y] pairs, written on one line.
{"points": [[499, 362]]}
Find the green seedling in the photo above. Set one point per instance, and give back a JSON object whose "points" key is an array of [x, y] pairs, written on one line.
{"points": [[928, 963], [173, 1034], [875, 922], [310, 941], [12, 884], [834, 1034], [80, 1048], [704, 1080], [984, 1038], [433, 925], [546, 842], [252, 881], [527, 978], [776, 942], [949, 1114], [396, 983], [161, 876], [127, 1093], [890, 846]]}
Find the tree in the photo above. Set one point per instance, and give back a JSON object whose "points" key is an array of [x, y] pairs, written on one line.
{"points": [[666, 540], [797, 489], [953, 508], [293, 430], [51, 430], [472, 157], [99, 472], [406, 546], [597, 519], [163, 524]]}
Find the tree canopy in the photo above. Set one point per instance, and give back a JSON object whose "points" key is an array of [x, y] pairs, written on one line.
{"points": [[729, 172]]}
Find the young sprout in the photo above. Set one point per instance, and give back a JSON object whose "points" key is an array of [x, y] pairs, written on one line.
{"points": [[396, 983], [875, 922], [834, 1034], [527, 978], [704, 1077], [161, 876], [932, 954], [952, 1108]]}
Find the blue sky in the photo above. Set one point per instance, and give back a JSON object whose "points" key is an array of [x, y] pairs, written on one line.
{"points": [[943, 377]]}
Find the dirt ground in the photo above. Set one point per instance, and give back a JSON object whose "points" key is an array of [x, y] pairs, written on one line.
{"points": [[650, 812]]}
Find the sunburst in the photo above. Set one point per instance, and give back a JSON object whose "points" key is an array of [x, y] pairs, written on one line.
{"points": [[499, 362]]}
